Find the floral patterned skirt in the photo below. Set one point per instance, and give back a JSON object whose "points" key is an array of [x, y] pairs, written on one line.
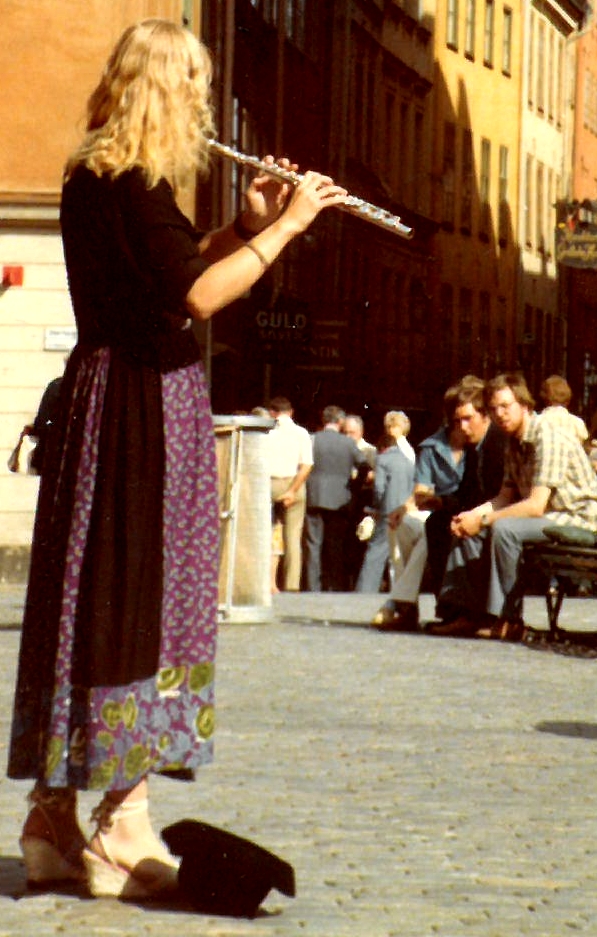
{"points": [[150, 705]]}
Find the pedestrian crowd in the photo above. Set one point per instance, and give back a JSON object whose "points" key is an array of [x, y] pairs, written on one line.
{"points": [[451, 518]]}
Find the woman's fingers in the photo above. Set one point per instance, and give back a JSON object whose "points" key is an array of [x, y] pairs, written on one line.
{"points": [[323, 186]]}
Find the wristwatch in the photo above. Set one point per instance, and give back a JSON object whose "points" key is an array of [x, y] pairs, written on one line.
{"points": [[485, 522]]}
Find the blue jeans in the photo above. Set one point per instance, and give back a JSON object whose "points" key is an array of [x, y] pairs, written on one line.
{"points": [[483, 572]]}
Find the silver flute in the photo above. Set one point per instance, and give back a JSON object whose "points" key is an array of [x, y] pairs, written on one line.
{"points": [[352, 204]]}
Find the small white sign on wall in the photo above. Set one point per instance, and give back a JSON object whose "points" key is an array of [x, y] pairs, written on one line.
{"points": [[60, 339]]}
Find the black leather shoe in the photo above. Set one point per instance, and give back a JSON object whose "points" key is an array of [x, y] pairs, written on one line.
{"points": [[397, 616], [460, 627]]}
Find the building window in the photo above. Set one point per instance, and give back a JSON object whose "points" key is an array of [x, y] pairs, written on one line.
{"points": [[389, 128], [484, 188], [528, 203], [504, 208], [559, 71], [531, 61], [549, 351], [488, 34], [446, 301], [541, 74], [247, 138], [295, 21], [469, 30], [538, 363], [468, 181], [419, 319], [452, 24], [449, 169], [507, 42], [500, 334], [464, 330], [559, 345], [267, 8], [484, 331], [588, 99], [551, 198], [358, 104], [405, 150], [369, 115], [539, 209], [418, 147], [551, 77]]}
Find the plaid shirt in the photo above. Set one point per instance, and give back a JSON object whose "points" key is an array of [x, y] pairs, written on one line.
{"points": [[550, 458]]}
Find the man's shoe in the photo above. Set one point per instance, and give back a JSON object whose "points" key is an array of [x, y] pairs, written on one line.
{"points": [[385, 615], [397, 616], [460, 627], [501, 630]]}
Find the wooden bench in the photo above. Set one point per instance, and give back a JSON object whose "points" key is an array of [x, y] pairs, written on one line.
{"points": [[569, 570]]}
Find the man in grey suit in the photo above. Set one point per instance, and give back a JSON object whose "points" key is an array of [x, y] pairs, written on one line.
{"points": [[328, 503]]}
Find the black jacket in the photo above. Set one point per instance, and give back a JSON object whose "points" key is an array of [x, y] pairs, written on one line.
{"points": [[484, 470]]}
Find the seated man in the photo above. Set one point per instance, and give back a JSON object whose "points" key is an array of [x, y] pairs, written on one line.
{"points": [[459, 483], [548, 480], [483, 472]]}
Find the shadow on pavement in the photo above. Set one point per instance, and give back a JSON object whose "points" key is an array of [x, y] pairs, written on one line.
{"points": [[577, 730], [13, 885]]}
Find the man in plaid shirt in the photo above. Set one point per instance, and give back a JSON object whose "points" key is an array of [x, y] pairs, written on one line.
{"points": [[548, 481]]}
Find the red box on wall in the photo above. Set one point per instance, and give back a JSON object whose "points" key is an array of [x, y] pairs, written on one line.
{"points": [[12, 276]]}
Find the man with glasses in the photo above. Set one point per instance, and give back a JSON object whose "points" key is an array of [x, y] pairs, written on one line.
{"points": [[548, 480]]}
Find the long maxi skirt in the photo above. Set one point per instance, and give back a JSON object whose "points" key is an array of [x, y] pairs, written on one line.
{"points": [[116, 669]]}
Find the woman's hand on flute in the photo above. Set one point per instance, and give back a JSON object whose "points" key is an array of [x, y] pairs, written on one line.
{"points": [[233, 272], [313, 193], [266, 197]]}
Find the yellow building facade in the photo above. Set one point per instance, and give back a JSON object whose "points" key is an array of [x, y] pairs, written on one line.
{"points": [[477, 86], [547, 117]]}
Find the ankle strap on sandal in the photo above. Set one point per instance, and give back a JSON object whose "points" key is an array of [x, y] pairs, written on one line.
{"points": [[53, 798], [109, 811]]}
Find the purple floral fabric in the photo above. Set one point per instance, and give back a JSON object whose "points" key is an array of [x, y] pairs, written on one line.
{"points": [[111, 737]]}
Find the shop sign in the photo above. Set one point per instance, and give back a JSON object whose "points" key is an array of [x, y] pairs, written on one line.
{"points": [[576, 235]]}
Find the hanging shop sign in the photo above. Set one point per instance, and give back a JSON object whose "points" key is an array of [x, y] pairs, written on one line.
{"points": [[576, 235]]}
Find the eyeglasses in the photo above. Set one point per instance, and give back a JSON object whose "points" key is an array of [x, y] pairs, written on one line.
{"points": [[502, 407]]}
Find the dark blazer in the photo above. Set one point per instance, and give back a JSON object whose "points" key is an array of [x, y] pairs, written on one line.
{"points": [[334, 458], [484, 469], [394, 480]]}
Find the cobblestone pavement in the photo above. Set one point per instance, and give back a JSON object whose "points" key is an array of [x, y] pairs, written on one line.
{"points": [[420, 786]]}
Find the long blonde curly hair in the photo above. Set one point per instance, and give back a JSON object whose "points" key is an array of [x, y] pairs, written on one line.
{"points": [[152, 107]]}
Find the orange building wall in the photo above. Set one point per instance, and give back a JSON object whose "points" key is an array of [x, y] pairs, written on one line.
{"points": [[584, 179], [51, 53]]}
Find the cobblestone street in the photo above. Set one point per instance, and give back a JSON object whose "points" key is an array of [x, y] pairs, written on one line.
{"points": [[419, 786]]}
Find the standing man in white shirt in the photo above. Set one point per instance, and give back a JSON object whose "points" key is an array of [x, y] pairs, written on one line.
{"points": [[291, 460]]}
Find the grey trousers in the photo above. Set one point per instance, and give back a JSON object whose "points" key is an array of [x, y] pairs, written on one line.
{"points": [[483, 572], [375, 559]]}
